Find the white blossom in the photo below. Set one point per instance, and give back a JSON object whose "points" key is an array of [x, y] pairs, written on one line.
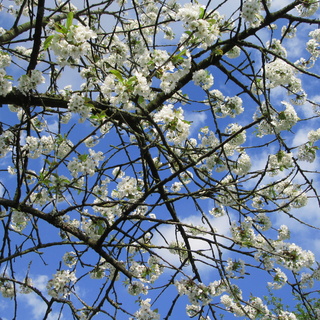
{"points": [[70, 259], [284, 232], [203, 78], [72, 44], [7, 289], [234, 52], [59, 285], [251, 12], [314, 135], [177, 129], [189, 13], [19, 220], [308, 8], [307, 153], [145, 312], [243, 164], [279, 279], [6, 142], [136, 287], [5, 85], [30, 81], [77, 104], [288, 31]]}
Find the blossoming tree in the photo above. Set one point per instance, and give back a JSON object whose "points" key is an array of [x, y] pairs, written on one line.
{"points": [[156, 157]]}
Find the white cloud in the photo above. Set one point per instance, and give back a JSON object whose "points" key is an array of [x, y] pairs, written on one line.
{"points": [[40, 282], [37, 307], [300, 137], [308, 109], [197, 118], [53, 126]]}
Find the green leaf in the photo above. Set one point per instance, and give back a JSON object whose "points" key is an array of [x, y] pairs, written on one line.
{"points": [[61, 29], [47, 42], [83, 157], [212, 21], [141, 100], [282, 115], [201, 14], [131, 80], [69, 20], [117, 74]]}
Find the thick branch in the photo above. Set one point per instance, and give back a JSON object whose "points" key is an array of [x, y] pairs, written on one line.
{"points": [[37, 36]]}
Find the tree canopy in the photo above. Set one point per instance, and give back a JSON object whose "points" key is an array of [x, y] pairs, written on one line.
{"points": [[159, 159]]}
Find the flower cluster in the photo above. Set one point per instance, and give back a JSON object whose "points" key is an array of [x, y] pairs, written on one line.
{"points": [[233, 266], [283, 232], [77, 104], [308, 8], [119, 91], [26, 286], [170, 79], [92, 228], [73, 43], [276, 121], [279, 73], [6, 142], [218, 211], [239, 136], [5, 85], [276, 47], [30, 81], [145, 312], [262, 221], [289, 255], [198, 293], [203, 78], [279, 279], [59, 285], [136, 287], [70, 259], [6, 288], [205, 30], [242, 165], [288, 31], [251, 12], [41, 197], [252, 308], [280, 161], [85, 163], [243, 234], [45, 145], [128, 187], [314, 43], [148, 273], [225, 106], [293, 257], [189, 13], [176, 127], [296, 198], [178, 248], [234, 52], [19, 220]]}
